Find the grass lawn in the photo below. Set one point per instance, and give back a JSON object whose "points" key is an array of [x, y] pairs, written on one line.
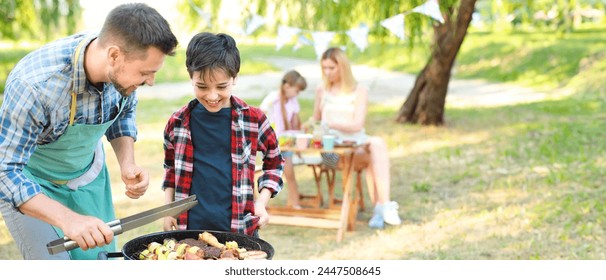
{"points": [[517, 182], [510, 182]]}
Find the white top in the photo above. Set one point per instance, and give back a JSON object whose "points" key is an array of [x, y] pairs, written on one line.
{"points": [[341, 107]]}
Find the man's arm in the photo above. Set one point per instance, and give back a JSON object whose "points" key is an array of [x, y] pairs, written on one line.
{"points": [[135, 177]]}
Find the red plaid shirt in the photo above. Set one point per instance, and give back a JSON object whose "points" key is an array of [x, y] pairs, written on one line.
{"points": [[250, 133]]}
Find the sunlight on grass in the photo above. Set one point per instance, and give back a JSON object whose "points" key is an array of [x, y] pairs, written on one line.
{"points": [[431, 145]]}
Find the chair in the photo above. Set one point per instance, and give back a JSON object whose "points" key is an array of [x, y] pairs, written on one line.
{"points": [[312, 200]]}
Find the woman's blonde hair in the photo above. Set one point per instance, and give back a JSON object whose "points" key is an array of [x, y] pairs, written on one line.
{"points": [[292, 78], [348, 82]]}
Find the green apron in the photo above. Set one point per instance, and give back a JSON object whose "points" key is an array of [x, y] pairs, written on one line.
{"points": [[72, 171]]}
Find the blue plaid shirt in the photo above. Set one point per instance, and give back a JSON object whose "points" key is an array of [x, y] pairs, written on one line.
{"points": [[36, 109]]}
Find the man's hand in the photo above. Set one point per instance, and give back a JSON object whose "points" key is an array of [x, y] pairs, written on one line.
{"points": [[136, 180], [87, 231]]}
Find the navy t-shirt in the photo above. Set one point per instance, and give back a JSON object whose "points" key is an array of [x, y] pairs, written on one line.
{"points": [[211, 137]]}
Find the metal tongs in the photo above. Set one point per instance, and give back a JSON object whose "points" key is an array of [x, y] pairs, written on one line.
{"points": [[121, 225]]}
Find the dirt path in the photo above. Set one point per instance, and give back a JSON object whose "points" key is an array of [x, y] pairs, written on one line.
{"points": [[384, 86]]}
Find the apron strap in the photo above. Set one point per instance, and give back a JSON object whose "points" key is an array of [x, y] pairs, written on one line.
{"points": [[72, 111]]}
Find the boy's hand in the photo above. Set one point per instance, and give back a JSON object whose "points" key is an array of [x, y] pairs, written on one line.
{"points": [[170, 223], [261, 212]]}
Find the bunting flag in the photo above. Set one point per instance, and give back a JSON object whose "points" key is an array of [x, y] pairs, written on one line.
{"points": [[395, 24], [204, 15], [301, 41], [430, 8], [254, 23], [321, 41], [359, 36], [285, 34]]}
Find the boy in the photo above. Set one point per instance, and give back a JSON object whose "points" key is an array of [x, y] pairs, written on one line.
{"points": [[210, 146]]}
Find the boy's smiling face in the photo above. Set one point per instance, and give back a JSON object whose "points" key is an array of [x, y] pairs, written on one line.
{"points": [[213, 89]]}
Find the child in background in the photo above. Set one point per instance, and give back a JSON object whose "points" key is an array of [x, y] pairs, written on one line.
{"points": [[211, 143], [282, 109]]}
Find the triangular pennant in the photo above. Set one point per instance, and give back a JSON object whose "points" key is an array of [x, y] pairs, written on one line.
{"points": [[430, 8], [359, 36], [301, 41], [204, 15], [395, 24], [321, 41], [285, 34], [254, 23]]}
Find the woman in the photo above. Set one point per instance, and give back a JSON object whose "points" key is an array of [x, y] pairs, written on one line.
{"points": [[341, 106]]}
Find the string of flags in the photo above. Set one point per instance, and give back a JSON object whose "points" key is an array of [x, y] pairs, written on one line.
{"points": [[204, 15], [320, 40]]}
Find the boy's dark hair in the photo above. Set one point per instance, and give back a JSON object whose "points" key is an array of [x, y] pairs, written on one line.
{"points": [[134, 27], [207, 51]]}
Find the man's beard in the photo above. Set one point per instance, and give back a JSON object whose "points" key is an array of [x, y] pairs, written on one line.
{"points": [[120, 88]]}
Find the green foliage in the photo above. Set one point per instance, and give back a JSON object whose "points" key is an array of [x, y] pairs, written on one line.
{"points": [[25, 19], [324, 15], [560, 15], [192, 11], [8, 59], [339, 16]]}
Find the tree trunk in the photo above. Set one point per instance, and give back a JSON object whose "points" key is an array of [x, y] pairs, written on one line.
{"points": [[425, 103]]}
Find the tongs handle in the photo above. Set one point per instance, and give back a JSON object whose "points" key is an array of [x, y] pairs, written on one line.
{"points": [[130, 222], [66, 244]]}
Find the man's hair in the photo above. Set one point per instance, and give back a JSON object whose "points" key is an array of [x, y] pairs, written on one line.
{"points": [[135, 27], [208, 52]]}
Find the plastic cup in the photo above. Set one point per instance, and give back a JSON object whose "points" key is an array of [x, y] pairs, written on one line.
{"points": [[316, 143], [302, 141], [328, 142]]}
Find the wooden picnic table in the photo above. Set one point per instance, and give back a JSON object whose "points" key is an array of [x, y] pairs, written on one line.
{"points": [[341, 218]]}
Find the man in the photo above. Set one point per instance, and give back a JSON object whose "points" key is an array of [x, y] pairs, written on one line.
{"points": [[59, 101]]}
